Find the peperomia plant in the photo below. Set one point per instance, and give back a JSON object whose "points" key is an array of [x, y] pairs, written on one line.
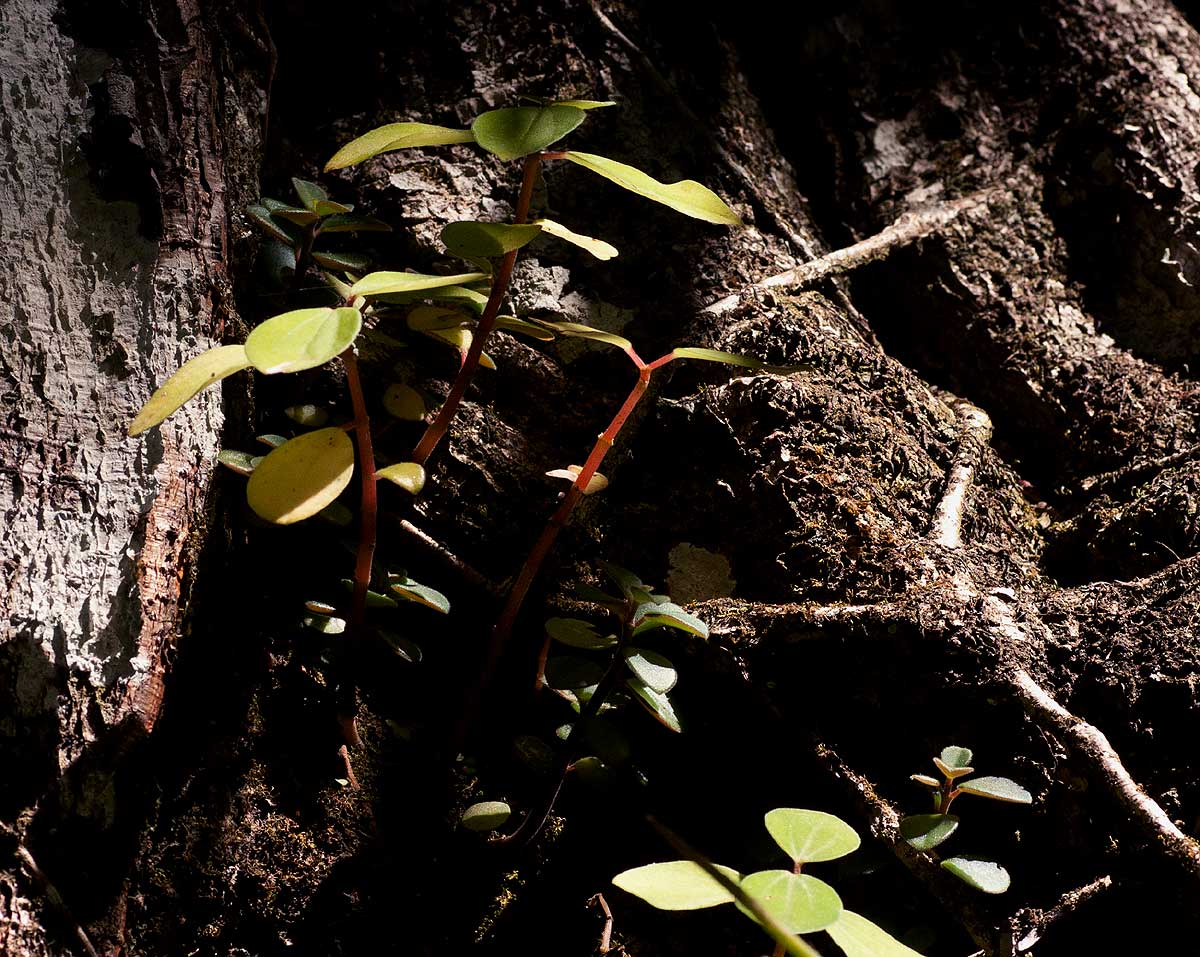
{"points": [[603, 668], [795, 902], [304, 475], [927, 831]]}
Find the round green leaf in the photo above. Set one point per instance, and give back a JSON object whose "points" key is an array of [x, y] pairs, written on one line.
{"points": [[998, 789], [302, 476], [325, 624], [534, 753], [594, 772], [810, 836], [987, 876], [858, 937], [656, 671], [481, 240], [273, 441], [658, 704], [380, 283], [193, 376], [676, 885], [802, 904], [927, 831], [520, 130], [486, 816], [302, 339], [408, 475], [597, 247], [578, 634], [687, 196], [955, 757], [395, 136], [404, 402]]}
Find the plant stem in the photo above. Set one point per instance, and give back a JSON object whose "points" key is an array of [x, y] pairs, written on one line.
{"points": [[348, 703], [487, 322]]}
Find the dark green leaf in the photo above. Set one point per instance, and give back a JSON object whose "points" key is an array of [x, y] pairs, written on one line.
{"points": [[354, 223], [606, 739], [657, 704], [325, 624], [687, 196], [374, 598], [410, 590], [241, 462], [347, 262], [534, 753], [309, 193], [295, 214], [593, 594], [566, 673], [987, 876], [520, 130], [405, 648], [261, 216], [578, 331], [624, 579], [578, 634], [927, 831], [475, 239]]}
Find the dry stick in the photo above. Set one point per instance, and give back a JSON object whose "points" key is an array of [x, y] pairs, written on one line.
{"points": [[606, 934], [49, 890], [1093, 750], [442, 553], [946, 528], [790, 942], [907, 229], [487, 322]]}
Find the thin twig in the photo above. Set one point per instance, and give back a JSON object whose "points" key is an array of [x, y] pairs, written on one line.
{"points": [[1040, 921], [465, 571], [1093, 750], [906, 230], [606, 934]]}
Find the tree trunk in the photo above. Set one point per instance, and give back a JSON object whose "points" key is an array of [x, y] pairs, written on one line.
{"points": [[970, 519]]}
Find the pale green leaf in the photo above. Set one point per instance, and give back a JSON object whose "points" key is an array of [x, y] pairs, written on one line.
{"points": [[666, 614], [486, 816], [395, 136], [986, 876], [302, 339], [811, 836], [513, 324], [272, 441], [998, 789], [687, 196], [192, 377], [578, 331], [624, 579], [410, 590], [927, 831], [302, 476], [476, 239], [926, 780], [404, 402], [587, 104], [378, 283], [578, 634], [655, 671], [241, 462], [728, 358], [955, 757], [858, 937], [434, 318], [658, 704], [325, 624], [597, 247], [408, 475], [676, 885], [800, 903], [949, 772], [308, 415], [520, 130]]}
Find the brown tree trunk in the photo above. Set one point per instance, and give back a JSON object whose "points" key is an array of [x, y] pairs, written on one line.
{"points": [[971, 520]]}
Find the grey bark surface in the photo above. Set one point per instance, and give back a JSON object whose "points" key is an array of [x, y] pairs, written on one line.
{"points": [[971, 519]]}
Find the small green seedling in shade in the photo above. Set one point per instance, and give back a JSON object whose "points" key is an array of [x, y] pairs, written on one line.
{"points": [[796, 903], [927, 831]]}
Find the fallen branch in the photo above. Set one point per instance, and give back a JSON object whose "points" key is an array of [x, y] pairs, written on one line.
{"points": [[946, 528]]}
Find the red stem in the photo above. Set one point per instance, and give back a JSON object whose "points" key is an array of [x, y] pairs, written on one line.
{"points": [[487, 322], [367, 531]]}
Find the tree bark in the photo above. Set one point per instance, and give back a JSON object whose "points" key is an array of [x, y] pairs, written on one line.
{"points": [[971, 518]]}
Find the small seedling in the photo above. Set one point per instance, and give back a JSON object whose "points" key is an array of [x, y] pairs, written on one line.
{"points": [[927, 831], [796, 903]]}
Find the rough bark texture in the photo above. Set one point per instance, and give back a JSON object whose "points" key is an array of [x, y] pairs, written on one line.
{"points": [[972, 519]]}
